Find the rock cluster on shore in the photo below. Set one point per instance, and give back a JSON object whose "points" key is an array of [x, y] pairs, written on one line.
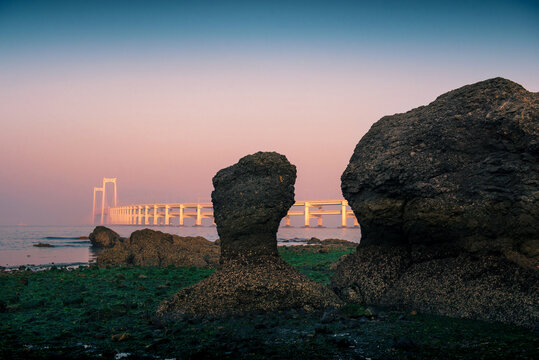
{"points": [[154, 248], [448, 201], [103, 237], [250, 199]]}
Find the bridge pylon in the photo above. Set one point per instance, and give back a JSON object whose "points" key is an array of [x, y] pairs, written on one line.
{"points": [[103, 190]]}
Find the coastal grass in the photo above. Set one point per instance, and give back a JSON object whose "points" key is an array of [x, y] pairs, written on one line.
{"points": [[110, 313]]}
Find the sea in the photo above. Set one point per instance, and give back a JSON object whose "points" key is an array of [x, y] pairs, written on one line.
{"points": [[70, 250]]}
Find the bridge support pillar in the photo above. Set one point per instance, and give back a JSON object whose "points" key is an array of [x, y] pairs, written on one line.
{"points": [[146, 218], [198, 221], [343, 214], [307, 217], [167, 215], [155, 214], [181, 215]]}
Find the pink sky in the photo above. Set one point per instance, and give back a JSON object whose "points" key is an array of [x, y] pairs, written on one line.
{"points": [[165, 127], [162, 95]]}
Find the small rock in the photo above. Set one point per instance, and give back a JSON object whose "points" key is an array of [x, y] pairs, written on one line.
{"points": [[313, 241], [329, 316], [40, 244], [369, 312], [120, 337], [104, 237]]}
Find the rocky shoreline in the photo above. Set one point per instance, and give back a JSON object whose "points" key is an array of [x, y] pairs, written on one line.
{"points": [[101, 313]]}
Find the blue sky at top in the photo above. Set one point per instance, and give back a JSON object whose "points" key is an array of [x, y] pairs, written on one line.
{"points": [[48, 26]]}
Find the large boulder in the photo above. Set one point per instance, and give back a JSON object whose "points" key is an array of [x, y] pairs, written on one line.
{"points": [[103, 237], [250, 199], [154, 248], [464, 167], [447, 196]]}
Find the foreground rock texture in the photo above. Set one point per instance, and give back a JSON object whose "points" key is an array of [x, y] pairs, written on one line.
{"points": [[447, 196], [103, 237], [155, 248], [250, 199]]}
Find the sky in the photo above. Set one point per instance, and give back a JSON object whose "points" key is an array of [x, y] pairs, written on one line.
{"points": [[163, 94]]}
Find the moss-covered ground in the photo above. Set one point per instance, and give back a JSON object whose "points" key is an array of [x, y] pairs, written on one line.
{"points": [[109, 314]]}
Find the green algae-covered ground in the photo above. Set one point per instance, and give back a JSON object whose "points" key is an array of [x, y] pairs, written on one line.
{"points": [[109, 313]]}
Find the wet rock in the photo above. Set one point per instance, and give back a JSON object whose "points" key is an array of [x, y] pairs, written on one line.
{"points": [[103, 237], [250, 199], [314, 241], [154, 248], [329, 316], [370, 313], [447, 197], [40, 244], [120, 337], [338, 242]]}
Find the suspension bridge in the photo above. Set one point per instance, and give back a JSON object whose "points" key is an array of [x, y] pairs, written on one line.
{"points": [[175, 214]]}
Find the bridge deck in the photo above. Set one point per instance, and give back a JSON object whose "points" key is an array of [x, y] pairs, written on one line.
{"points": [[162, 213]]}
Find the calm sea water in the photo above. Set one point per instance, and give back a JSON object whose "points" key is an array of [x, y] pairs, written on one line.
{"points": [[16, 242]]}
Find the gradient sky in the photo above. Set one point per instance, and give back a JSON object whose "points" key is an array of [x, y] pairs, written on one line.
{"points": [[162, 96]]}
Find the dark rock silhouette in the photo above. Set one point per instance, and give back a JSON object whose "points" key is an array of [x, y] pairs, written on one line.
{"points": [[103, 237], [250, 199], [40, 244], [154, 248], [448, 201]]}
